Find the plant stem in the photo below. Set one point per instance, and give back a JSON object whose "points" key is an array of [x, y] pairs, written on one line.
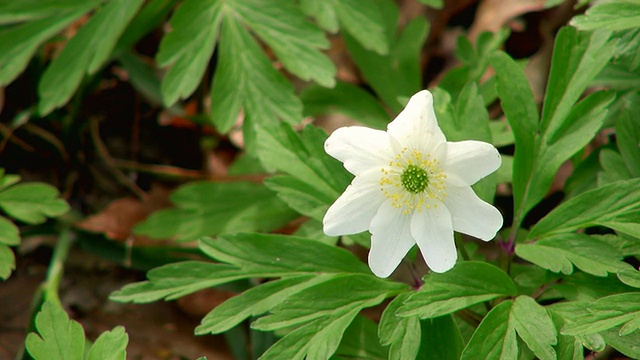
{"points": [[56, 268], [460, 246]]}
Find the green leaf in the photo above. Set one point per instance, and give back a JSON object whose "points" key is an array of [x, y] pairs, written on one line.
{"points": [[606, 313], [32, 202], [9, 232], [468, 283], [58, 338], [397, 75], [12, 12], [627, 135], [495, 338], [85, 53], [441, 339], [628, 345], [299, 195], [279, 255], [255, 301], [208, 208], [616, 206], [19, 43], [359, 19], [149, 17], [630, 277], [559, 253], [569, 347], [402, 334], [436, 4], [323, 312], [7, 261], [613, 167], [360, 341], [614, 15], [345, 99], [110, 345]]}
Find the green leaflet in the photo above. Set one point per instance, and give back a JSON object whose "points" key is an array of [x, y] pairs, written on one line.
{"points": [[613, 15], [606, 313], [60, 338], [85, 53], [32, 202], [208, 208], [495, 338], [360, 340], [561, 252], [466, 284], [616, 206], [402, 334]]}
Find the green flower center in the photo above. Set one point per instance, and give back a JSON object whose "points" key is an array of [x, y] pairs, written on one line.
{"points": [[414, 179]]}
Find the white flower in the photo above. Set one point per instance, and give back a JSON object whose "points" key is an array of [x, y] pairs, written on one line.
{"points": [[411, 186]]}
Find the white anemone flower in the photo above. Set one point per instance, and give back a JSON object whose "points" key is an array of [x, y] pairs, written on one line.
{"points": [[411, 186]]}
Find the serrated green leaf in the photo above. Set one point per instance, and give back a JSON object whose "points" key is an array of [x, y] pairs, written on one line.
{"points": [[255, 301], [9, 232], [246, 79], [466, 284], [495, 338], [616, 206], [402, 334], [19, 43], [585, 287], [85, 53], [110, 345], [568, 347], [629, 345], [279, 255], [360, 341], [630, 277], [12, 12], [627, 136], [208, 208], [32, 202], [614, 15], [345, 99], [561, 252], [58, 338], [397, 75], [299, 195], [613, 167], [606, 313], [7, 261]]}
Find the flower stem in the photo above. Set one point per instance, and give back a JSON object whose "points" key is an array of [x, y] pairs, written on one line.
{"points": [[56, 268]]}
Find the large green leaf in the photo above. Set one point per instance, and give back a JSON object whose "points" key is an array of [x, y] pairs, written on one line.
{"points": [[495, 338], [616, 206], [208, 208], [19, 43], [32, 202], [85, 53], [402, 334], [627, 135], [466, 284], [559, 253], [441, 339], [613, 15], [606, 313]]}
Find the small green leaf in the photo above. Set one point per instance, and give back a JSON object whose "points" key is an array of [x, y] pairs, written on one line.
{"points": [[616, 206], [208, 208], [9, 232], [495, 338], [466, 284], [85, 53], [345, 99], [32, 202], [7, 261], [402, 334], [58, 338], [561, 252], [110, 345], [613, 15]]}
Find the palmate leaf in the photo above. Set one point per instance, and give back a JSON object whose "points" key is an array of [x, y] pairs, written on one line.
{"points": [[208, 208], [32, 202], [560, 253], [60, 338], [564, 128], [495, 338], [466, 284], [613, 15], [245, 78], [615, 205], [85, 53]]}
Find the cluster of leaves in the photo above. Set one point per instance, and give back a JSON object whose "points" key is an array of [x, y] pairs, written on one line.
{"points": [[557, 288]]}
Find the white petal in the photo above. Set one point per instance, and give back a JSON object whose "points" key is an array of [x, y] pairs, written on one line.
{"points": [[359, 148], [416, 126], [471, 160], [354, 209], [471, 215], [390, 239], [433, 232]]}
